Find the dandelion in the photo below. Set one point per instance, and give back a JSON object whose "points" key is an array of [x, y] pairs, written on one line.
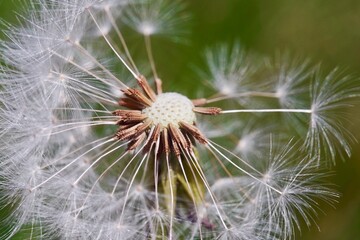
{"points": [[93, 147]]}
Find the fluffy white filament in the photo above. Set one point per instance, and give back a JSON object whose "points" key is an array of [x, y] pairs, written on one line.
{"points": [[65, 175]]}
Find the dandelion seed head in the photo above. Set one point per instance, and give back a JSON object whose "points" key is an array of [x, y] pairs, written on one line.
{"points": [[170, 108], [87, 154], [160, 17], [229, 70], [281, 93], [245, 144], [147, 28]]}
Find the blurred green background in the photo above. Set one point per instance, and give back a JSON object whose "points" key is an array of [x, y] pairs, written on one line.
{"points": [[324, 30]]}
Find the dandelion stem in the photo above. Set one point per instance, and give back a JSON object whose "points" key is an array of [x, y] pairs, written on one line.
{"points": [[266, 111], [150, 55]]}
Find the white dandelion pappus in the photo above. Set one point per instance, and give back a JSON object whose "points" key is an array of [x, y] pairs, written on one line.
{"points": [[87, 154]]}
